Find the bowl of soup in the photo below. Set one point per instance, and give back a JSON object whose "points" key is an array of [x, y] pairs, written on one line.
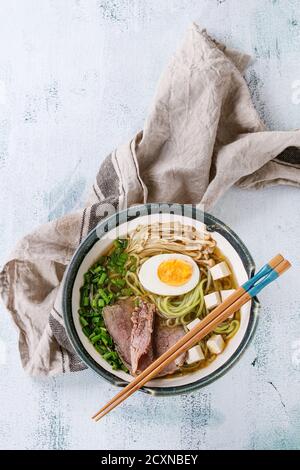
{"points": [[141, 280]]}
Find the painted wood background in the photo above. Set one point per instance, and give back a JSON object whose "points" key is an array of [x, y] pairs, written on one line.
{"points": [[76, 79]]}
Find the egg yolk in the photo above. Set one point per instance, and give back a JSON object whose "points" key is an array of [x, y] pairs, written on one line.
{"points": [[174, 272]]}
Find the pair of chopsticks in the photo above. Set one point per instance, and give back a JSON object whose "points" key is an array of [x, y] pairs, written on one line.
{"points": [[268, 273]]}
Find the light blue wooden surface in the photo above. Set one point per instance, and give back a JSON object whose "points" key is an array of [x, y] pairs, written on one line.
{"points": [[76, 79]]}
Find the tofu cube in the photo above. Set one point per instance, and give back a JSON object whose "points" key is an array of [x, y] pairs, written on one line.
{"points": [[193, 323], [215, 344], [219, 271], [212, 300], [224, 295], [195, 354]]}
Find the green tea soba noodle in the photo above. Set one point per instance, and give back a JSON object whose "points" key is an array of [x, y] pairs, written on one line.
{"points": [[175, 310]]}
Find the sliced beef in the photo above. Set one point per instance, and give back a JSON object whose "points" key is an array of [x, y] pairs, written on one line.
{"points": [[118, 322], [163, 339], [141, 336], [131, 330]]}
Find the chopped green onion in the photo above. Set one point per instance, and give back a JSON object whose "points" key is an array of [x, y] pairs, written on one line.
{"points": [[118, 282], [104, 296], [100, 288], [86, 331], [87, 277], [102, 278], [95, 338], [83, 321], [107, 355], [99, 269]]}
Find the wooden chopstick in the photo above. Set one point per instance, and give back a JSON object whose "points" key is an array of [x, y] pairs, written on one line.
{"points": [[187, 341], [209, 323], [217, 311], [195, 339]]}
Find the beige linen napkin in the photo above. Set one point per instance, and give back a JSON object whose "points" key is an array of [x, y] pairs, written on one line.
{"points": [[202, 136]]}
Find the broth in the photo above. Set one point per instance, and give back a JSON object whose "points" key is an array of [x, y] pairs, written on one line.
{"points": [[115, 277]]}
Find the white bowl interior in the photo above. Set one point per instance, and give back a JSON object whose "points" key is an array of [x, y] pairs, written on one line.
{"points": [[101, 247]]}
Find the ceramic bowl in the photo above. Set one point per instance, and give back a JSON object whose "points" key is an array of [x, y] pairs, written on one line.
{"points": [[97, 243]]}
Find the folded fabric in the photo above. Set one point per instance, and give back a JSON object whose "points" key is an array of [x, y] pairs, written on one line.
{"points": [[202, 136]]}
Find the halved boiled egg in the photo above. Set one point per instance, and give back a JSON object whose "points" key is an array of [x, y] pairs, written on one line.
{"points": [[169, 274]]}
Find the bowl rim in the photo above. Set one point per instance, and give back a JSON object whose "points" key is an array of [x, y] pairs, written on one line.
{"points": [[212, 224]]}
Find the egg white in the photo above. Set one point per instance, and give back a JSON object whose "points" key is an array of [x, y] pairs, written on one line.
{"points": [[149, 279]]}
